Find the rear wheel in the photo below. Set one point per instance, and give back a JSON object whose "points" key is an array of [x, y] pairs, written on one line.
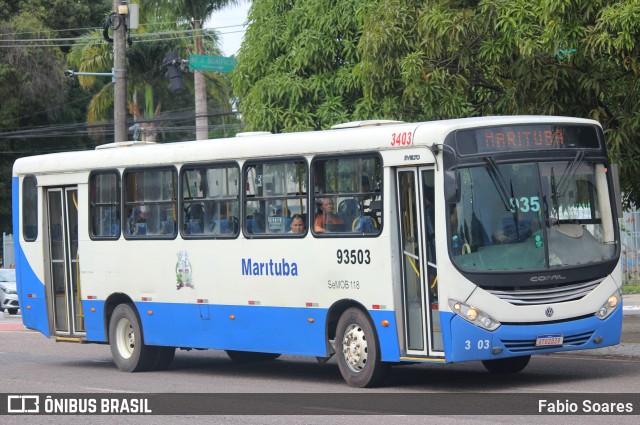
{"points": [[507, 365], [125, 338], [358, 350], [250, 357]]}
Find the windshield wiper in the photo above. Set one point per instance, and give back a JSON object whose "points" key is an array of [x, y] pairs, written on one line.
{"points": [[568, 174], [499, 182]]}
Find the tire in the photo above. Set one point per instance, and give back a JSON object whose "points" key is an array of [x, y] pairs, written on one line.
{"points": [[164, 358], [358, 350], [128, 350], [507, 365], [250, 357], [12, 310]]}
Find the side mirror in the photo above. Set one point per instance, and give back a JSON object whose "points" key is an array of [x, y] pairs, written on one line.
{"points": [[451, 187], [615, 177]]}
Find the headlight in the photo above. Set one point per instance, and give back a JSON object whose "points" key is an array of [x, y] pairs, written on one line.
{"points": [[610, 305], [473, 315], [7, 291]]}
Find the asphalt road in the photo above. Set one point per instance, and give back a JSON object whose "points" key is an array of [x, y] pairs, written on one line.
{"points": [[32, 363]]}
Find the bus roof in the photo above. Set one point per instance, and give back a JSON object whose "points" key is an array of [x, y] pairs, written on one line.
{"points": [[343, 138]]}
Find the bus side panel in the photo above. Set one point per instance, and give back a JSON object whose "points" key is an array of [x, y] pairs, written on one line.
{"points": [[94, 320], [298, 331], [473, 343], [289, 330], [387, 335], [31, 291]]}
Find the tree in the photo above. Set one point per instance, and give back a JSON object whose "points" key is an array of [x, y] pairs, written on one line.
{"points": [[310, 64], [149, 100], [33, 90], [299, 65], [195, 13], [145, 74]]}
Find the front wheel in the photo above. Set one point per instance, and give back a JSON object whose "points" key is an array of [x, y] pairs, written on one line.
{"points": [[507, 365], [358, 350], [125, 338]]}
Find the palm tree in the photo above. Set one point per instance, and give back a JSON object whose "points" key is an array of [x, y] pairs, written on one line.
{"points": [[145, 74], [195, 13]]}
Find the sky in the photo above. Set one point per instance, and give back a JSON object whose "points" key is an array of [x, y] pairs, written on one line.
{"points": [[228, 23]]}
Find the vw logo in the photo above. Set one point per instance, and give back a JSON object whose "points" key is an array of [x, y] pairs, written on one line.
{"points": [[548, 312]]}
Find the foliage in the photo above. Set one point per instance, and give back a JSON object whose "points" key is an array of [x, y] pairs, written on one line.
{"points": [[298, 65], [309, 64], [631, 288], [193, 14], [33, 89]]}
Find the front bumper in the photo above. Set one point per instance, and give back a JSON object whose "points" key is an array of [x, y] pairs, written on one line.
{"points": [[473, 343]]}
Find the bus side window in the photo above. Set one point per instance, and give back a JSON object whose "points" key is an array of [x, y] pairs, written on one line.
{"points": [[210, 200], [104, 204], [29, 208], [151, 202], [353, 185], [274, 192]]}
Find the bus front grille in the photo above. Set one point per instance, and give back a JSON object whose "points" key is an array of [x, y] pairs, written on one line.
{"points": [[545, 294], [519, 345]]}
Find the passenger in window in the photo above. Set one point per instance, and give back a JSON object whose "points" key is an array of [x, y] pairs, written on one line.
{"points": [[138, 220], [514, 227], [195, 219], [255, 223], [110, 223], [326, 220], [297, 224]]}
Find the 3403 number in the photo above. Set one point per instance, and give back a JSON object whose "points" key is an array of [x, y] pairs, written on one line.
{"points": [[403, 138], [353, 256]]}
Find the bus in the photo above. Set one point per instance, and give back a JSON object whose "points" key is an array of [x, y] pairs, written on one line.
{"points": [[480, 239]]}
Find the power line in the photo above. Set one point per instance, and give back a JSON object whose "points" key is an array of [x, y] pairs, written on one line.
{"points": [[52, 30], [106, 127], [60, 42]]}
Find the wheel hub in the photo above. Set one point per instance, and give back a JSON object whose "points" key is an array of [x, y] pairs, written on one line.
{"points": [[126, 338], [354, 348]]}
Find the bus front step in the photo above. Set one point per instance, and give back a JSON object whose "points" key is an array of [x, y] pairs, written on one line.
{"points": [[68, 339]]}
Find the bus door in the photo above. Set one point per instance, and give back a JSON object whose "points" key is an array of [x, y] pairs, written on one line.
{"points": [[416, 212], [63, 286]]}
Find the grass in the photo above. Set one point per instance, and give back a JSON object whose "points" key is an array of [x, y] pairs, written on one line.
{"points": [[631, 289]]}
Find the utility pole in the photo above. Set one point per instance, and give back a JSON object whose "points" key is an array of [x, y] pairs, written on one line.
{"points": [[199, 83], [120, 70]]}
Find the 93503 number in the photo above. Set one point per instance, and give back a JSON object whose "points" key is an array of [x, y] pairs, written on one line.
{"points": [[353, 256]]}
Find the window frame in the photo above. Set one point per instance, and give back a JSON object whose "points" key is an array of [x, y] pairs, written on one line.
{"points": [[28, 210], [376, 193], [182, 214], [126, 205], [118, 204], [303, 197]]}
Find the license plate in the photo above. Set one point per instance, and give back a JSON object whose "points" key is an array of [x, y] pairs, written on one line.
{"points": [[549, 340]]}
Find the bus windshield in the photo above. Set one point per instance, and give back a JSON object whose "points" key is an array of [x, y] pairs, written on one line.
{"points": [[532, 216]]}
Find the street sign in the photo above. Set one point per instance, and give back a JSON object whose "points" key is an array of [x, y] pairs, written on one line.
{"points": [[211, 63]]}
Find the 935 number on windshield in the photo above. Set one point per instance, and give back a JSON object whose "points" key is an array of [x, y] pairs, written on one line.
{"points": [[525, 204], [353, 256]]}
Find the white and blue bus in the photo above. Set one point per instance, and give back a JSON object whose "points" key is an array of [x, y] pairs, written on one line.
{"points": [[487, 239]]}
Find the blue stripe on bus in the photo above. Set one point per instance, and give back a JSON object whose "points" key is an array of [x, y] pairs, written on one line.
{"points": [[33, 309], [253, 328], [474, 343]]}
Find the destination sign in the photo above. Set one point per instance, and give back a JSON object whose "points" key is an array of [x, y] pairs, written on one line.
{"points": [[526, 137]]}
